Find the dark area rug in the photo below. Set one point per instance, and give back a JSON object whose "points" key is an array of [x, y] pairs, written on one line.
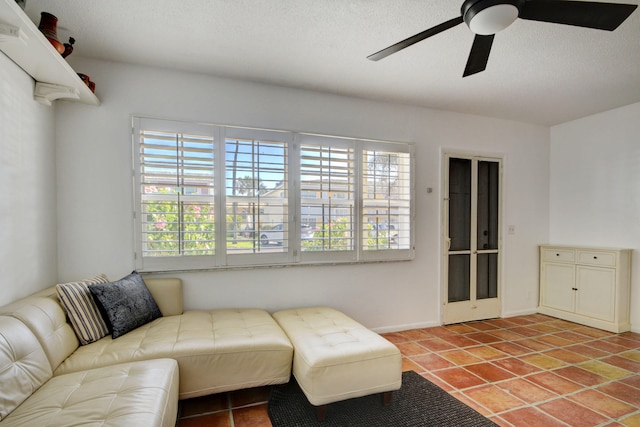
{"points": [[418, 403]]}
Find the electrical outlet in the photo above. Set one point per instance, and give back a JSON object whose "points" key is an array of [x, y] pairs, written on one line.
{"points": [[511, 229]]}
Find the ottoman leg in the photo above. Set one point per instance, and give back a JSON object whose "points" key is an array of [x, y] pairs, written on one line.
{"points": [[321, 412], [387, 398]]}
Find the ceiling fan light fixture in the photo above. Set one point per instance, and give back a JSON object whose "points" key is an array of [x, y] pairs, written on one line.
{"points": [[493, 19], [486, 17]]}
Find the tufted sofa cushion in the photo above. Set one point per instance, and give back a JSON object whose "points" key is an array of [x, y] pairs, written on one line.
{"points": [[216, 351], [167, 292], [130, 394], [23, 365], [46, 318]]}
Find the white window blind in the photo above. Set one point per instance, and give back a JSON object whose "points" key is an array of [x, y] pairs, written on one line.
{"points": [[177, 207], [257, 193], [327, 195], [386, 195]]}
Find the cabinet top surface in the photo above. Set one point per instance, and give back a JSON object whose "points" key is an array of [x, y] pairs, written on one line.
{"points": [[588, 248]]}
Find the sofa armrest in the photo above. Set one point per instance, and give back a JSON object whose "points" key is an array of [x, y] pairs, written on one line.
{"points": [[168, 295]]}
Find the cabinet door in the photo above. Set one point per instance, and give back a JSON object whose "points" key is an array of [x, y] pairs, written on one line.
{"points": [[596, 292], [558, 282]]}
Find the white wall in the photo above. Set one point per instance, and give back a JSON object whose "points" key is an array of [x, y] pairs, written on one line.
{"points": [[27, 187], [595, 186], [95, 195]]}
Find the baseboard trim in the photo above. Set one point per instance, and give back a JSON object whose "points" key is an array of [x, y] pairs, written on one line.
{"points": [[520, 312], [615, 326], [406, 327], [433, 323]]}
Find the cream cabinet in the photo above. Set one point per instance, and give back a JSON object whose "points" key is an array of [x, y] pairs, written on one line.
{"points": [[586, 285]]}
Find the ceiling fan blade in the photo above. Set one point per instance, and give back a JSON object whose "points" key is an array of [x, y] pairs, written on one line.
{"points": [[415, 39], [601, 16], [479, 55]]}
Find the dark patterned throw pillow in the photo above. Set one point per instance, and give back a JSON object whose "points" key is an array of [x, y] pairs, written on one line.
{"points": [[126, 304]]}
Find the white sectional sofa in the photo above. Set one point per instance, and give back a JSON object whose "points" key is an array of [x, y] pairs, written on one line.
{"points": [[48, 378]]}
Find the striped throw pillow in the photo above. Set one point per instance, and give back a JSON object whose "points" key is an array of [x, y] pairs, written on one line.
{"points": [[82, 310]]}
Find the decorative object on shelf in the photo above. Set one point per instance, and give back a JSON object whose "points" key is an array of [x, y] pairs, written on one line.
{"points": [[49, 27], [91, 85], [84, 78], [68, 47], [21, 3]]}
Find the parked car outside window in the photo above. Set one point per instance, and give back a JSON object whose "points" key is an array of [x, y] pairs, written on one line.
{"points": [[276, 234]]}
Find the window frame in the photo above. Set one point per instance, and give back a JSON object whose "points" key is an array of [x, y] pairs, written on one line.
{"points": [[293, 254]]}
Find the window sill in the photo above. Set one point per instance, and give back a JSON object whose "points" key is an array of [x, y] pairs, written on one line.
{"points": [[270, 266]]}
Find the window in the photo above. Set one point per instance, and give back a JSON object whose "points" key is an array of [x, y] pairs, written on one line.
{"points": [[217, 196]]}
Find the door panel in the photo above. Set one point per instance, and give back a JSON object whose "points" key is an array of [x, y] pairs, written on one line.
{"points": [[488, 204], [459, 268], [472, 236], [558, 292], [460, 204], [487, 280], [596, 292], [459, 230]]}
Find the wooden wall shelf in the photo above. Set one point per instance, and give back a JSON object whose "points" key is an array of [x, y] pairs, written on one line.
{"points": [[25, 45]]}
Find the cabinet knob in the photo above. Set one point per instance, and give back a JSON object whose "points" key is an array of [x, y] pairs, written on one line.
{"points": [[595, 257], [574, 289], [557, 254]]}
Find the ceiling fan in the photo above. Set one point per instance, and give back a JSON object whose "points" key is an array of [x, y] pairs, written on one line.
{"points": [[485, 18]]}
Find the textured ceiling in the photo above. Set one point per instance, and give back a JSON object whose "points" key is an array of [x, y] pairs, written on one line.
{"points": [[538, 72]]}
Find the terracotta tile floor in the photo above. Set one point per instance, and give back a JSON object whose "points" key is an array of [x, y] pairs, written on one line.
{"points": [[523, 371]]}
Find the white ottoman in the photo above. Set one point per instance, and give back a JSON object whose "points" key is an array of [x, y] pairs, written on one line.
{"points": [[336, 358]]}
